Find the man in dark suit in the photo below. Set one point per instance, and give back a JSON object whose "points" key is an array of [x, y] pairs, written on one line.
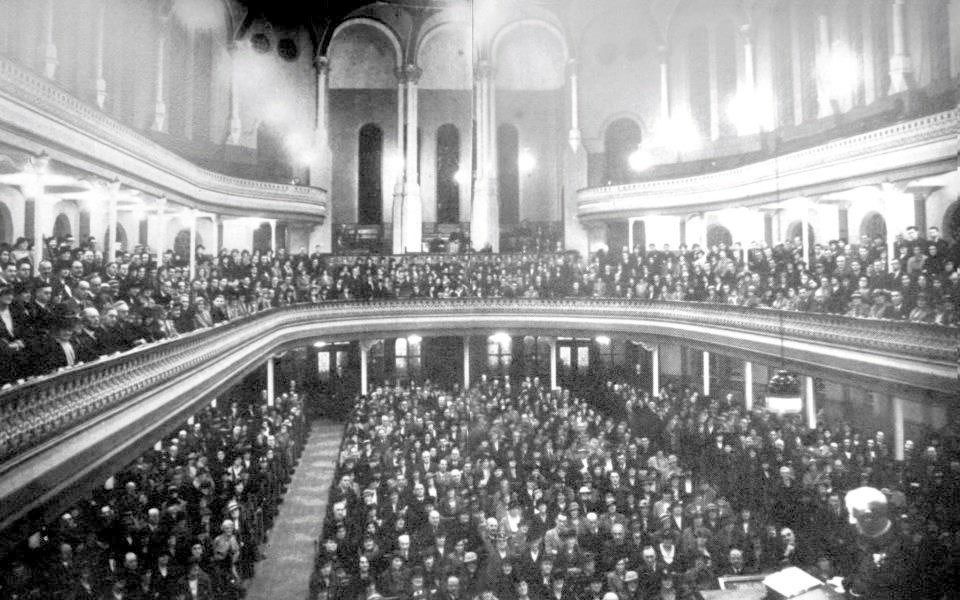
{"points": [[195, 585], [14, 335]]}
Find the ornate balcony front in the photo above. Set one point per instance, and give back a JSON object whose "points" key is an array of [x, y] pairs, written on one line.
{"points": [[38, 115], [910, 149], [65, 430]]}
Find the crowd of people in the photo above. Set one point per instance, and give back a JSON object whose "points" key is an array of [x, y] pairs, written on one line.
{"points": [[517, 492], [182, 522], [73, 307]]}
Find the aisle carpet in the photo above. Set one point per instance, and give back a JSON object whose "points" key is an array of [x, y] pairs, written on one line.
{"points": [[285, 572]]}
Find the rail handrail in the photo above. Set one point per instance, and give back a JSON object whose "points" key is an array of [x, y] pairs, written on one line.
{"points": [[40, 408]]}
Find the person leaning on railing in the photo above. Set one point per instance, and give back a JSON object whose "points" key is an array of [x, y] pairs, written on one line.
{"points": [[158, 300]]}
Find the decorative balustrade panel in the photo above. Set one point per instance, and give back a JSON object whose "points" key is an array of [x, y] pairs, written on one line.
{"points": [[33, 103], [929, 140], [40, 409]]}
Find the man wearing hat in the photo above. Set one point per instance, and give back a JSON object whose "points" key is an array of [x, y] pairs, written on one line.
{"points": [[57, 350]]}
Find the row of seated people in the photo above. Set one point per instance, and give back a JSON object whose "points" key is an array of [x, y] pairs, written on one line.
{"points": [[522, 493], [182, 522], [63, 314]]}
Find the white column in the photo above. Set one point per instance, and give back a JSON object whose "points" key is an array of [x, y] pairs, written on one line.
{"points": [[466, 362], [748, 87], [484, 211], [824, 105], [236, 125], [898, 431], [160, 104], [714, 84], [49, 47], [805, 232], [664, 84], [553, 363], [321, 165], [796, 61], [217, 242], [810, 402], [412, 209], [110, 244], [100, 82], [867, 33], [655, 371], [575, 136], [901, 69], [273, 236], [748, 385], [706, 373], [271, 382], [40, 210], [193, 243], [161, 228], [364, 357]]}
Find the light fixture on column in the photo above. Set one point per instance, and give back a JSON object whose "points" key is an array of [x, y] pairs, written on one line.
{"points": [[603, 340]]}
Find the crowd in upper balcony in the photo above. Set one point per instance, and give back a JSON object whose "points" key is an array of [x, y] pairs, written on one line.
{"points": [[74, 307], [523, 493], [182, 522]]}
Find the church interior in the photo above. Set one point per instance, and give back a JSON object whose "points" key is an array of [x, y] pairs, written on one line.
{"points": [[479, 299]]}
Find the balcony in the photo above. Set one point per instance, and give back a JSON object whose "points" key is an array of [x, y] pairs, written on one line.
{"points": [[910, 149], [38, 115], [63, 431]]}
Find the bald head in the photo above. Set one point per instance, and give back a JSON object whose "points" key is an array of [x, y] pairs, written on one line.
{"points": [[868, 511]]}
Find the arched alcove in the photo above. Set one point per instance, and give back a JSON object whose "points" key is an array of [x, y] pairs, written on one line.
{"points": [[951, 222], [370, 175], [508, 153], [795, 229], [364, 54], [530, 55], [121, 238], [6, 225], [261, 238], [639, 234], [718, 234], [621, 139], [448, 166], [181, 244], [873, 226], [61, 226]]}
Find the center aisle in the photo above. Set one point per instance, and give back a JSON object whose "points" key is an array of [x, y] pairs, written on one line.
{"points": [[285, 572]]}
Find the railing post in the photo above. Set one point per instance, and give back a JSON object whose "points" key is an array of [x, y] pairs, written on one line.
{"points": [[271, 382], [748, 385]]}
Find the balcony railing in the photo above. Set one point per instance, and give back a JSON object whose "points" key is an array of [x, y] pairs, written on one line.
{"points": [[924, 144], [79, 134], [41, 408]]}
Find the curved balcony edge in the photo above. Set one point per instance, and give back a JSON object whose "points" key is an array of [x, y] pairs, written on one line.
{"points": [[37, 114], [82, 424], [926, 146]]}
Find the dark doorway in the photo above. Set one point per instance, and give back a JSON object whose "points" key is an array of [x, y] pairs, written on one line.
{"points": [[370, 176]]}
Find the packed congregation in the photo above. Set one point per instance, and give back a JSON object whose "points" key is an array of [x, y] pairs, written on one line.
{"points": [[74, 307], [185, 521], [518, 492]]}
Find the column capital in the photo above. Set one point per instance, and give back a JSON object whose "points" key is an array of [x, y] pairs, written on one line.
{"points": [[409, 73], [322, 64], [365, 345], [746, 33], [663, 52], [483, 70], [572, 66]]}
